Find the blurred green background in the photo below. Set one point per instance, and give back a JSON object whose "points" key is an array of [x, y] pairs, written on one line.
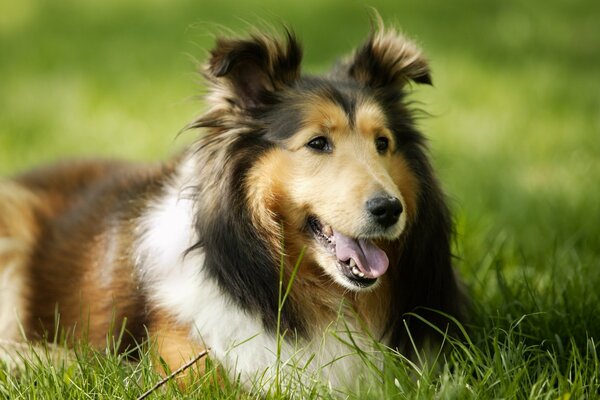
{"points": [[515, 111]]}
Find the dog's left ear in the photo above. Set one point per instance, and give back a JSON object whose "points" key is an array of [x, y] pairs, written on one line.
{"points": [[388, 59], [252, 71]]}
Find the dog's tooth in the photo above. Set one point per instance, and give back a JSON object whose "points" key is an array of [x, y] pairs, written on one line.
{"points": [[361, 274], [327, 230], [352, 263], [355, 271]]}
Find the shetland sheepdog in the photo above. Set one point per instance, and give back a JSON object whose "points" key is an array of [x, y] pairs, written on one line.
{"points": [[319, 184]]}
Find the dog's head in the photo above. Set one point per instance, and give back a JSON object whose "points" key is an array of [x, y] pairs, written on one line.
{"points": [[334, 164]]}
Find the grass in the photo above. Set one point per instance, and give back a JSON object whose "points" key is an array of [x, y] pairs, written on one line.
{"points": [[515, 136]]}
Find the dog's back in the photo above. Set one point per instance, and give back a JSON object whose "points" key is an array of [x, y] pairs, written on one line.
{"points": [[56, 248]]}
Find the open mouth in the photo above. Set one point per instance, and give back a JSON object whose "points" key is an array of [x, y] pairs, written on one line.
{"points": [[359, 260]]}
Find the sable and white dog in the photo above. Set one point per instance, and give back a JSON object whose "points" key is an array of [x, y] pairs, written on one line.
{"points": [[329, 171]]}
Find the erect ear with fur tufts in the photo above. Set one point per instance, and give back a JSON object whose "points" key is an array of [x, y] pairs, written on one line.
{"points": [[388, 59], [253, 70]]}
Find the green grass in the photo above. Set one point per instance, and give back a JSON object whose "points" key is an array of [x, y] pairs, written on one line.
{"points": [[515, 136]]}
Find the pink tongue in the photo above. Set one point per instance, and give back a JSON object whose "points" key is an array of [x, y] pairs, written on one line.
{"points": [[370, 259]]}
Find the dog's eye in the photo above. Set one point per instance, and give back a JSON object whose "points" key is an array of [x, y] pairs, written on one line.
{"points": [[320, 143], [382, 143]]}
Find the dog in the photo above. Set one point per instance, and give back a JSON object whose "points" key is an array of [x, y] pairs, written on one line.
{"points": [[304, 216]]}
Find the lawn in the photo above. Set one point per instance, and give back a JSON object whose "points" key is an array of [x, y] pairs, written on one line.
{"points": [[514, 131]]}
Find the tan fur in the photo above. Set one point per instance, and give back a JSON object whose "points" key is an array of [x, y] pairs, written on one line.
{"points": [[321, 115], [265, 188], [370, 120], [408, 184], [18, 231], [172, 345], [106, 293], [313, 178]]}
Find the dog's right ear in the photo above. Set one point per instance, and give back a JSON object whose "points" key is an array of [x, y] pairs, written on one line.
{"points": [[249, 73]]}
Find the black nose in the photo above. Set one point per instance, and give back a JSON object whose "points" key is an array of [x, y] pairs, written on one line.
{"points": [[384, 210]]}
